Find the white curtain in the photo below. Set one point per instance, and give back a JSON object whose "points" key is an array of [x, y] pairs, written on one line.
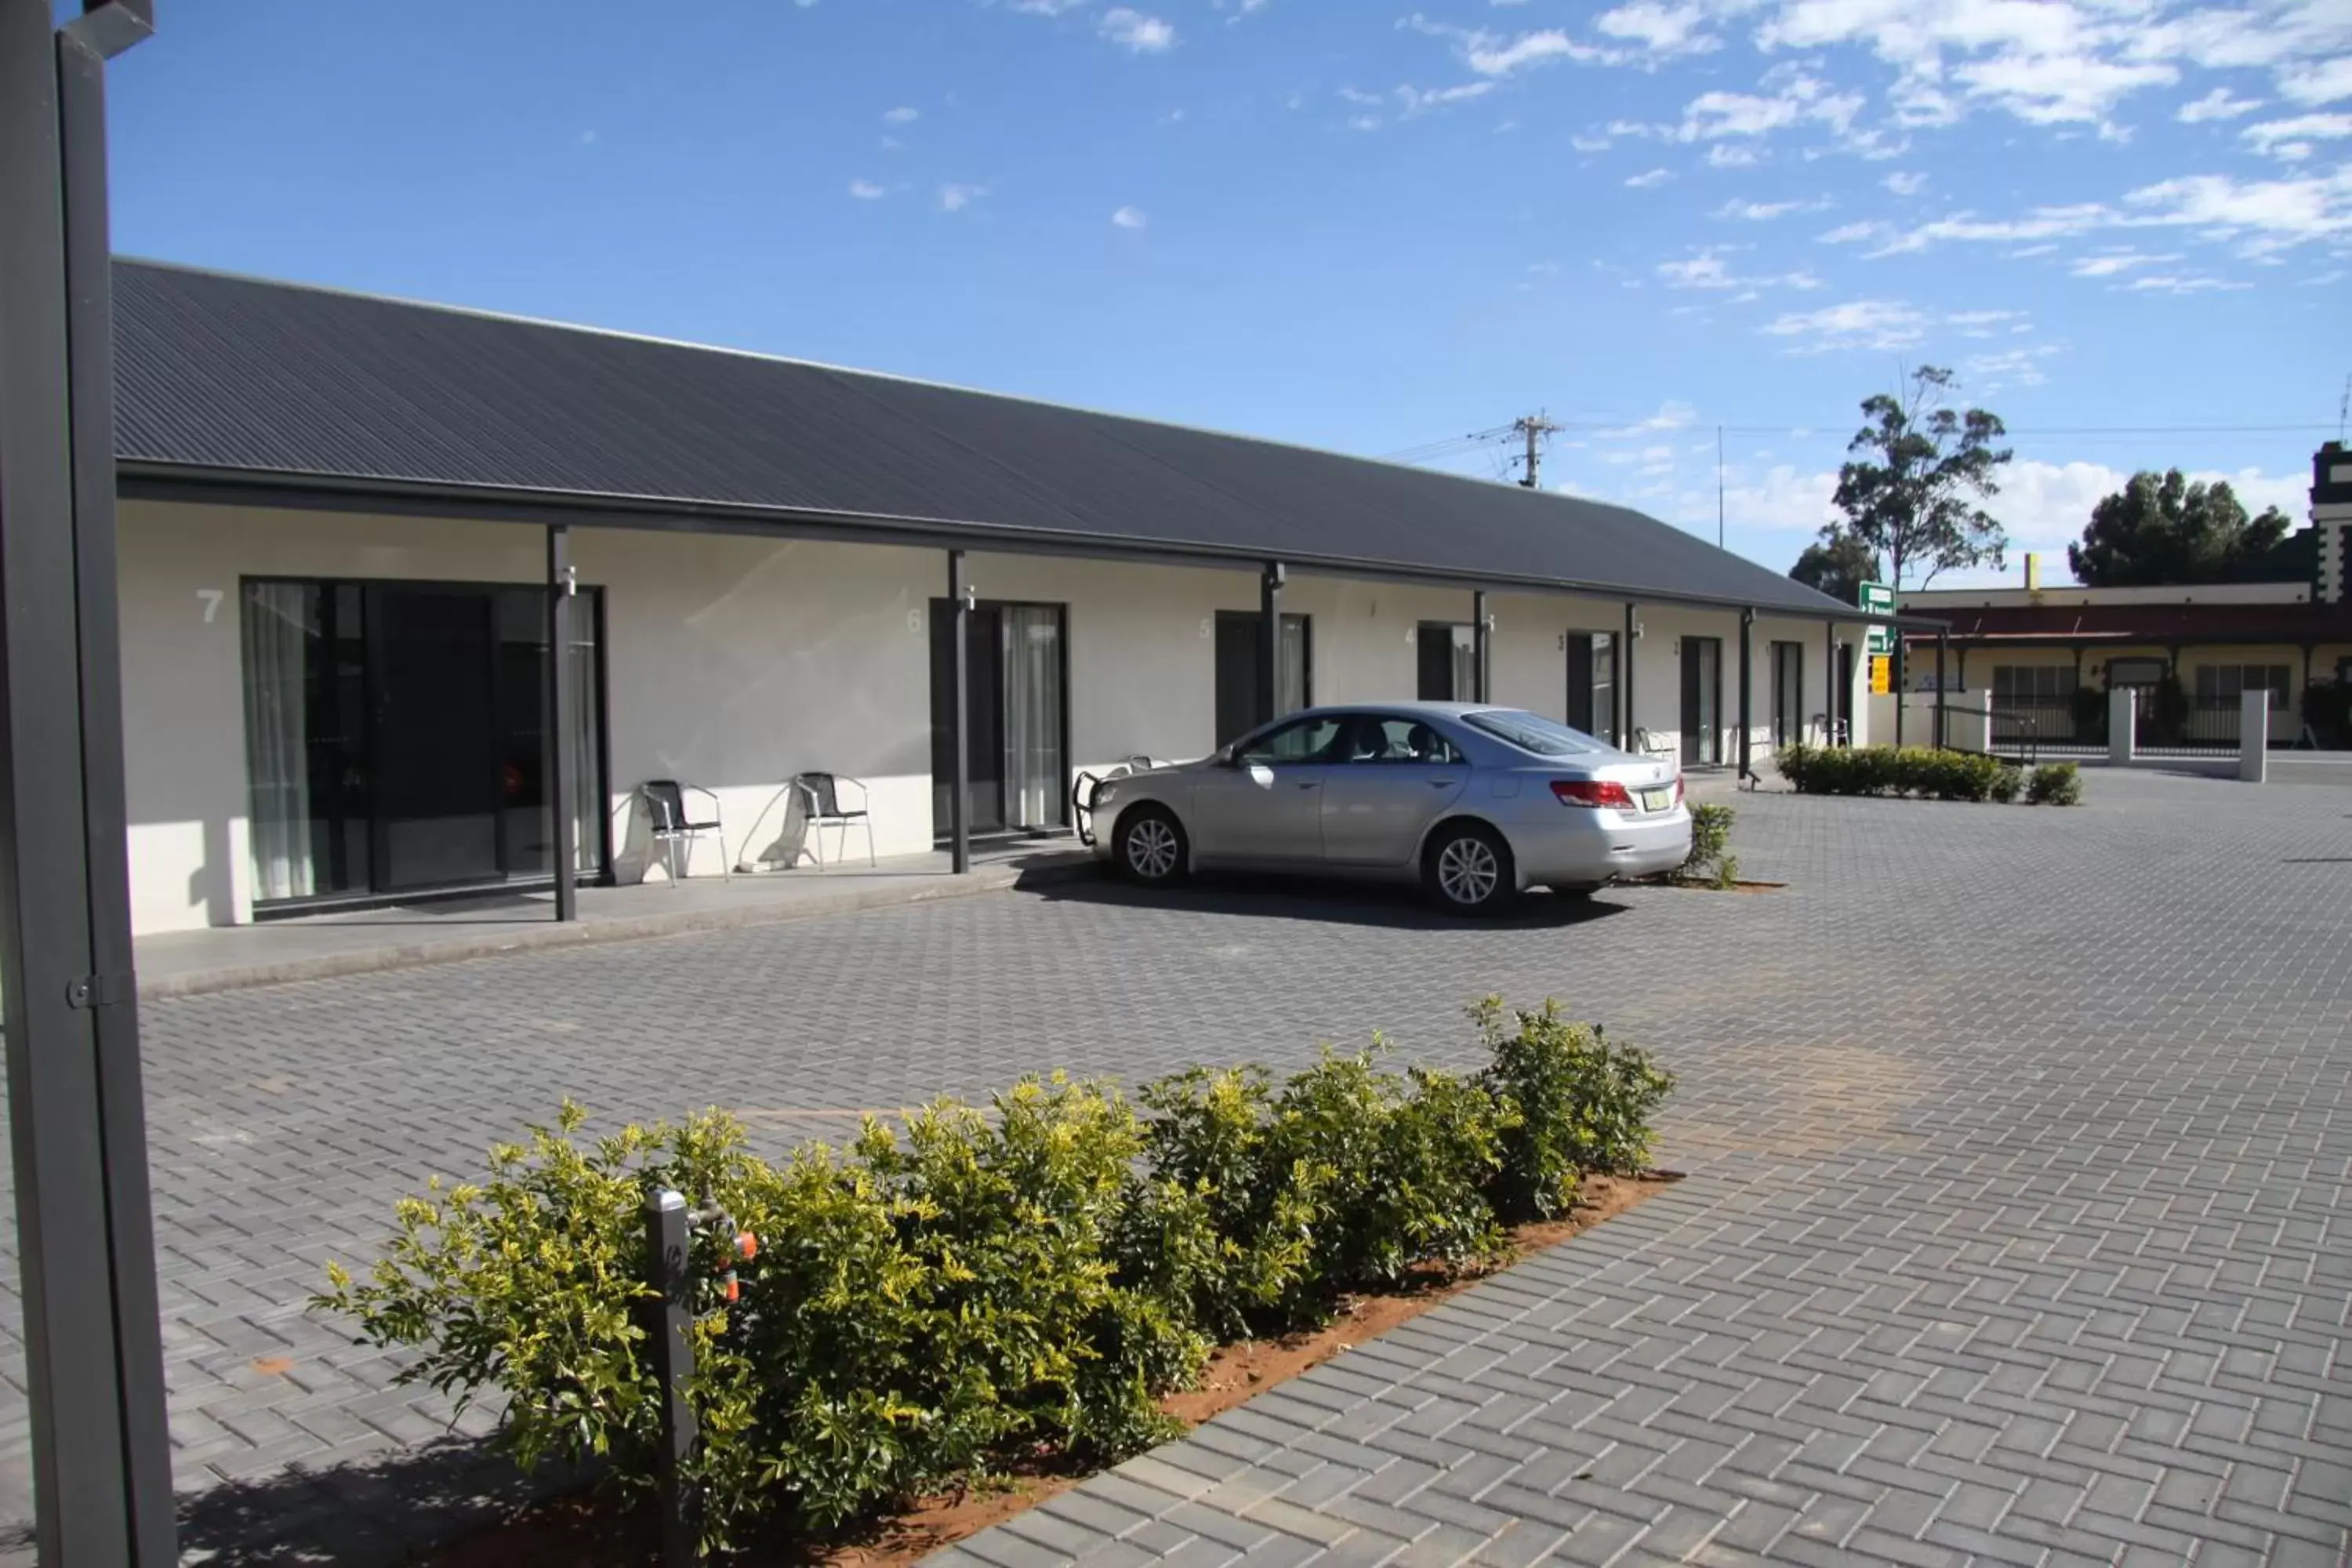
{"points": [[1465, 663], [1294, 663], [280, 625], [1033, 716], [589, 806]]}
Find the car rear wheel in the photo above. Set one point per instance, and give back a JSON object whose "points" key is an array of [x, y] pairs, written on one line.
{"points": [[1152, 852], [1468, 869]]}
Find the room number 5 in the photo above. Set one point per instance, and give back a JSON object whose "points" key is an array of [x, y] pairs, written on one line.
{"points": [[212, 598]]}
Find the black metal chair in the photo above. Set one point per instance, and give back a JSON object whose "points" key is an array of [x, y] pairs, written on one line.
{"points": [[672, 826], [826, 806]]}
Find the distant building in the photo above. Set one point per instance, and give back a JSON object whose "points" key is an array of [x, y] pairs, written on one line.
{"points": [[2286, 626]]}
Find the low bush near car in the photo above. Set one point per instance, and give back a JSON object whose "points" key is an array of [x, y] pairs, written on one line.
{"points": [[933, 1300], [1708, 862]]}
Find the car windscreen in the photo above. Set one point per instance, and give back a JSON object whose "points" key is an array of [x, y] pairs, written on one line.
{"points": [[1532, 732]]}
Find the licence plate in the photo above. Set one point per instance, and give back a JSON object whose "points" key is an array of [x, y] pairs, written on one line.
{"points": [[1656, 799]]}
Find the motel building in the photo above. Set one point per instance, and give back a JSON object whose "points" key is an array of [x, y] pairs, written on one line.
{"points": [[342, 516]]}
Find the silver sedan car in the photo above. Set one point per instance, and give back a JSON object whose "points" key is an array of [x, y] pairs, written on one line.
{"points": [[1479, 803]]}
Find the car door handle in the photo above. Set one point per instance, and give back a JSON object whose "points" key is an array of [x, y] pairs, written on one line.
{"points": [[1444, 783], [1308, 784]]}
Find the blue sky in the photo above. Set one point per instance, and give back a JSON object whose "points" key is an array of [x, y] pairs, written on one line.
{"points": [[2126, 224]]}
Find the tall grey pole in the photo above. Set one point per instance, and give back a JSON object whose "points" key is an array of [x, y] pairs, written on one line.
{"points": [[1943, 665], [562, 722], [93, 1361], [1627, 729], [1747, 693], [959, 719], [1269, 641], [1481, 646]]}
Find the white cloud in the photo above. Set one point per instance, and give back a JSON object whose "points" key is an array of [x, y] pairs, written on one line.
{"points": [[1883, 324], [1649, 180], [1731, 155], [1583, 143], [2010, 367], [1129, 217], [2054, 89], [1492, 54], [1799, 99], [1134, 31], [2111, 263], [2218, 104], [2261, 216], [2189, 285], [1045, 7], [1858, 324], [1707, 269], [2290, 139], [957, 198], [1765, 212], [1665, 30], [1854, 233], [1671, 415], [867, 190], [2327, 81], [1906, 182], [902, 116]]}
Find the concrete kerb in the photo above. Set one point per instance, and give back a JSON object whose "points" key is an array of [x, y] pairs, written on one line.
{"points": [[981, 879]]}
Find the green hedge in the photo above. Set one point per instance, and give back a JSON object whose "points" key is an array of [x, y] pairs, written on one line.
{"points": [[930, 1304], [1926, 771]]}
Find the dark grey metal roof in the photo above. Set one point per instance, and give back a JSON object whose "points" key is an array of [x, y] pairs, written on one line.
{"points": [[223, 379]]}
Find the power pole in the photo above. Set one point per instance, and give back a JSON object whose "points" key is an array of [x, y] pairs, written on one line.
{"points": [[1534, 428], [1719, 487]]}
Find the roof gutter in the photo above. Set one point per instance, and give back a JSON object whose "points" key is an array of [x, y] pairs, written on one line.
{"points": [[199, 484]]}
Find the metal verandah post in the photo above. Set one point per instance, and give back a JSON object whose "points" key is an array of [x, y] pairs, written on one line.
{"points": [[959, 719], [102, 1471], [1828, 683], [1481, 647], [562, 722], [1747, 693], [1269, 641], [1631, 631]]}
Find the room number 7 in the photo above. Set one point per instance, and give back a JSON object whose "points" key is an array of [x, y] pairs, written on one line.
{"points": [[212, 598]]}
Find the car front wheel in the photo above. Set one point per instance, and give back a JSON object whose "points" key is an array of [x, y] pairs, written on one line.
{"points": [[1468, 869], [1152, 848]]}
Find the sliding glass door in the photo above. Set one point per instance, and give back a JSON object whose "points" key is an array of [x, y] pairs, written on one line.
{"points": [[397, 737], [1016, 718]]}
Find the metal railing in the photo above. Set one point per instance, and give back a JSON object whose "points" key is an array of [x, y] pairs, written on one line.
{"points": [[2200, 727]]}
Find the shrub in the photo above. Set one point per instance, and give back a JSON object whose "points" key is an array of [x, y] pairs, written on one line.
{"points": [[1924, 771], [1710, 837], [2055, 783], [1579, 1104], [2007, 783], [929, 1303]]}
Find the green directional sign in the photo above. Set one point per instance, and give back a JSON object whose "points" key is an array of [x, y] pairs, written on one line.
{"points": [[1878, 598]]}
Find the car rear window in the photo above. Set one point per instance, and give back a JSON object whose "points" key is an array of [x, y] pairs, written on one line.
{"points": [[1532, 732]]}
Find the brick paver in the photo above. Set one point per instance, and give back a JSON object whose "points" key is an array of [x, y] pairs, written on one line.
{"points": [[2017, 1229]]}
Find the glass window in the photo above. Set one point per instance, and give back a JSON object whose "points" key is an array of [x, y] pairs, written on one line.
{"points": [[1447, 658], [2033, 682], [1310, 740], [2220, 685], [1377, 738], [1531, 733]]}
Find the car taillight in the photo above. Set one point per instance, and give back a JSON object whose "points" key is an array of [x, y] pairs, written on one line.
{"points": [[1604, 792], [1678, 789]]}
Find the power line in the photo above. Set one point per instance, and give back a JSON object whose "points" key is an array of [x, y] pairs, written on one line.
{"points": [[1541, 426]]}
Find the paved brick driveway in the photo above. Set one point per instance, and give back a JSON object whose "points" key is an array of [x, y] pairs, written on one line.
{"points": [[2019, 1223]]}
